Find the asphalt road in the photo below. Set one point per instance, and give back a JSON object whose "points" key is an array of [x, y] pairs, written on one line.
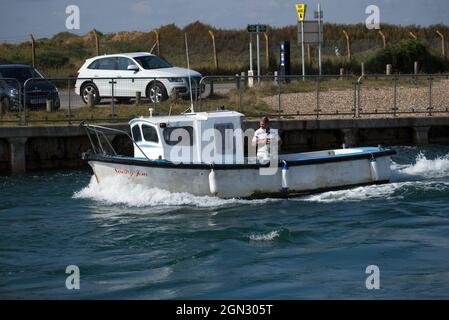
{"points": [[76, 101]]}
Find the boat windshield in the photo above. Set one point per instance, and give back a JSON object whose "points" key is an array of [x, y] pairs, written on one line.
{"points": [[152, 62]]}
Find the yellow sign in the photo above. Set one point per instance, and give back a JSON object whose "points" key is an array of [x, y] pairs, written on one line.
{"points": [[301, 9]]}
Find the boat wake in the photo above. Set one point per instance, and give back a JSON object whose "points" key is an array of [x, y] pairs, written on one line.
{"points": [[424, 175], [119, 191]]}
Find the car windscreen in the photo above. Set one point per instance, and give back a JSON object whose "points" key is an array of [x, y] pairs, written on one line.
{"points": [[21, 74], [152, 62]]}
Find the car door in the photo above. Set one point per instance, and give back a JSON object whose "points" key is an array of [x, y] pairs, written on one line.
{"points": [[103, 75], [125, 86]]}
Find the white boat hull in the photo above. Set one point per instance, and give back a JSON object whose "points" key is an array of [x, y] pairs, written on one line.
{"points": [[303, 176]]}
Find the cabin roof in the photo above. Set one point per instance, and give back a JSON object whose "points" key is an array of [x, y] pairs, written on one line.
{"points": [[188, 117]]}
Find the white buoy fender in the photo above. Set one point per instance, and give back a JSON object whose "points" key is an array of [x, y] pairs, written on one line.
{"points": [[285, 177], [374, 169], [213, 183]]}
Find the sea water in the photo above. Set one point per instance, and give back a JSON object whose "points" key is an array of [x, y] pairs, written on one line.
{"points": [[131, 242]]}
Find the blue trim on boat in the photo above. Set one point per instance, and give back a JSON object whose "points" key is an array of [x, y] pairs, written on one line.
{"points": [[368, 153]]}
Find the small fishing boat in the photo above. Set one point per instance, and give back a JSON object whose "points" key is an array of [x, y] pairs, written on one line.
{"points": [[204, 154]]}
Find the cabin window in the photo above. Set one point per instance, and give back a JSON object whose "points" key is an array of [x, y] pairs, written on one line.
{"points": [[150, 134], [224, 139], [137, 136], [173, 136]]}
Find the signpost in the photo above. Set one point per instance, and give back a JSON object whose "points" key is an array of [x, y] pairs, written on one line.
{"points": [[257, 29], [310, 32], [301, 10]]}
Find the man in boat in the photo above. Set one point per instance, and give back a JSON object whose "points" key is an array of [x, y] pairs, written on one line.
{"points": [[265, 140]]}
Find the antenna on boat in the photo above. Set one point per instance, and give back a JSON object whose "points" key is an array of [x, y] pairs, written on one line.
{"points": [[192, 108]]}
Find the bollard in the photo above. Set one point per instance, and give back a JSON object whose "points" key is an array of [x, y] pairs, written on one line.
{"points": [[50, 105], [90, 100], [362, 67], [250, 78], [388, 69], [243, 76], [138, 98], [342, 73], [416, 67]]}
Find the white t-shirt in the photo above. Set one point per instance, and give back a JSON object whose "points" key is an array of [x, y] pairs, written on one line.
{"points": [[263, 150]]}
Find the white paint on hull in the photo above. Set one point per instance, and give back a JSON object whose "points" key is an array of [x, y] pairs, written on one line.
{"points": [[245, 183]]}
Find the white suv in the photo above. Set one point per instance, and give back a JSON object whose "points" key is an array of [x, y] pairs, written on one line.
{"points": [[122, 75]]}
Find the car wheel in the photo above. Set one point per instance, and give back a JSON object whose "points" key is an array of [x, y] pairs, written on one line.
{"points": [[123, 100], [4, 105], [156, 92], [90, 88]]}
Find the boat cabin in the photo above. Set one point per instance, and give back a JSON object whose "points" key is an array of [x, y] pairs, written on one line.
{"points": [[215, 137]]}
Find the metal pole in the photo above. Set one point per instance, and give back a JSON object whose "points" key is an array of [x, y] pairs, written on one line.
{"points": [[258, 57], [251, 60], [302, 52], [319, 40]]}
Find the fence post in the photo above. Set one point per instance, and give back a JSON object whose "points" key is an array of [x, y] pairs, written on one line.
{"points": [[384, 40], [356, 84], [413, 35], [138, 98], [97, 42], [443, 47], [430, 108], [267, 51], [395, 96], [348, 44], [362, 68], [318, 98], [214, 48], [112, 100], [388, 69], [158, 45], [69, 102], [33, 51], [342, 73], [416, 67]]}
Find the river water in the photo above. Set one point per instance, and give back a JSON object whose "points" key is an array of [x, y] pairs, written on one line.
{"points": [[135, 243]]}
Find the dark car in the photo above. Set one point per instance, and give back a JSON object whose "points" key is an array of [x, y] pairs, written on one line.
{"points": [[15, 90]]}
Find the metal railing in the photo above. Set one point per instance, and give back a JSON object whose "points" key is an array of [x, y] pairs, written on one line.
{"points": [[314, 97]]}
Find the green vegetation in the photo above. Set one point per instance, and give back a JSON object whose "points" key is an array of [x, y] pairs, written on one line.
{"points": [[403, 55], [63, 54]]}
